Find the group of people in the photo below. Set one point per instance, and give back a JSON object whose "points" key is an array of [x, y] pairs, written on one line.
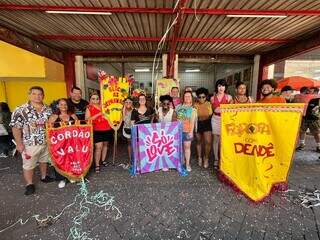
{"points": [[28, 125], [311, 115], [200, 116]]}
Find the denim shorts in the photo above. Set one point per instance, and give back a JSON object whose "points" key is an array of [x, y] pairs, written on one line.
{"points": [[186, 137]]}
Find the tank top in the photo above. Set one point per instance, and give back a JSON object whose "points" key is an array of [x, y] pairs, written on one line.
{"points": [[100, 123], [126, 115], [167, 117], [215, 102], [236, 100], [59, 120]]}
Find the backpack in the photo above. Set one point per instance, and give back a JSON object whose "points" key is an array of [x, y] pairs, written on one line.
{"points": [[313, 109]]}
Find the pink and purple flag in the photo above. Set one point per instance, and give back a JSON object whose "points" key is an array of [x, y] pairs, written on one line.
{"points": [[157, 146]]}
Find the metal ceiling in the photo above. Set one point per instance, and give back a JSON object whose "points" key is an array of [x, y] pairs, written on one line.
{"points": [[138, 25]]}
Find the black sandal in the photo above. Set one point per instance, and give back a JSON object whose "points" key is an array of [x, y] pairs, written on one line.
{"points": [[97, 169]]}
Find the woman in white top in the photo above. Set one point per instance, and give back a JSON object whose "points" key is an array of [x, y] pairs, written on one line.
{"points": [[165, 112]]}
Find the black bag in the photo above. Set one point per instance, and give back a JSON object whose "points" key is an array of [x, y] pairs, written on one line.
{"points": [[127, 130], [313, 109]]}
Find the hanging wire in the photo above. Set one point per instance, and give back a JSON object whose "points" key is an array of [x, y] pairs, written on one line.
{"points": [[160, 47], [195, 10]]}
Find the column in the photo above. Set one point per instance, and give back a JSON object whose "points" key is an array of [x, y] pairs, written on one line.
{"points": [[255, 76], [79, 72]]}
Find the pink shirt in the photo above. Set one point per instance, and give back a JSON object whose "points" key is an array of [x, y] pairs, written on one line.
{"points": [[176, 102]]}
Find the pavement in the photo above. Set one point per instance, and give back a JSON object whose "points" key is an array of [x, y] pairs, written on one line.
{"points": [[159, 205]]}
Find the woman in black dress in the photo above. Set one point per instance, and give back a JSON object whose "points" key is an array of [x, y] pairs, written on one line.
{"points": [[66, 116]]}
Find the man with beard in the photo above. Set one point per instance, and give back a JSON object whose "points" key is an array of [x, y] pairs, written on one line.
{"points": [[267, 88]]}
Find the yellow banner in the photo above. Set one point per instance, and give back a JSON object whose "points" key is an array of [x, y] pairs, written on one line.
{"points": [[257, 145], [113, 91], [164, 86]]}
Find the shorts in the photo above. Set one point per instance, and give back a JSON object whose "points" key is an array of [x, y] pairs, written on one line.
{"points": [[34, 154], [102, 136], [186, 137], [313, 125], [204, 126], [216, 124]]}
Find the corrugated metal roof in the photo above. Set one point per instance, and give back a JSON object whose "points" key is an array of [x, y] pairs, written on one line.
{"points": [[152, 25]]}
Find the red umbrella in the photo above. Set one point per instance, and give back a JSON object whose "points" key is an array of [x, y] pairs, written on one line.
{"points": [[297, 82]]}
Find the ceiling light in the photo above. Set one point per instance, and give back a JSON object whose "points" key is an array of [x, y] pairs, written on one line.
{"points": [[85, 13], [142, 70], [192, 70], [256, 16]]}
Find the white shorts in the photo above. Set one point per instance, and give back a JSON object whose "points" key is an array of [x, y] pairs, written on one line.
{"points": [[38, 153], [216, 124]]}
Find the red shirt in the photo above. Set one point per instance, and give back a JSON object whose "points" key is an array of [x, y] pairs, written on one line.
{"points": [[100, 123], [215, 102]]}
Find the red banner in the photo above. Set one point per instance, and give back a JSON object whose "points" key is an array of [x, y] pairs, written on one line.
{"points": [[71, 149]]}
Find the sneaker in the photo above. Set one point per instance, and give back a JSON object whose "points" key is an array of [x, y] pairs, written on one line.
{"points": [[300, 147], [30, 189], [165, 169], [318, 149], [189, 168], [62, 184], [47, 179], [3, 155], [216, 164], [72, 181]]}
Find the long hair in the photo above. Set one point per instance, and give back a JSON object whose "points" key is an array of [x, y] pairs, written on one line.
{"points": [[70, 109], [145, 97]]}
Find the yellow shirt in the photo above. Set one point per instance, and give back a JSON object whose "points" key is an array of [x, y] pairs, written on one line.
{"points": [[204, 110]]}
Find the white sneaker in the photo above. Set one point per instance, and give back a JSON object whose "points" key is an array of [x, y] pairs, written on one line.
{"points": [[189, 168], [62, 184], [72, 181]]}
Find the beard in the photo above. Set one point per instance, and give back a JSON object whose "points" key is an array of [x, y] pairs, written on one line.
{"points": [[266, 94]]}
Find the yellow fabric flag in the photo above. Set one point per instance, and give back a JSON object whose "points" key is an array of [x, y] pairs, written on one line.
{"points": [[257, 145], [113, 92]]}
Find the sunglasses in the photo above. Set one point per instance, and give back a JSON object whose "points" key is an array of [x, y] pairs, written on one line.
{"points": [[202, 97], [127, 102], [166, 103]]}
